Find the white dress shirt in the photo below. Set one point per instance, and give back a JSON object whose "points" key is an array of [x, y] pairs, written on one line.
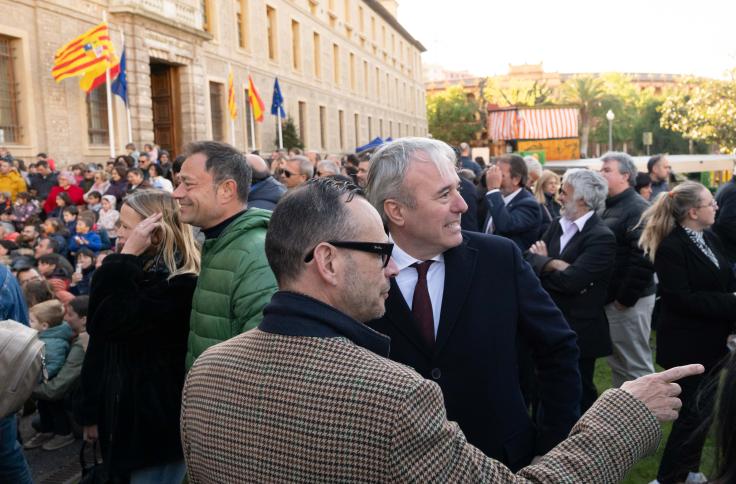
{"points": [[407, 280], [571, 227], [506, 200]]}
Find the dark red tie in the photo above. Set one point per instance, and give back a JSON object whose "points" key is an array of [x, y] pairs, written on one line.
{"points": [[421, 305]]}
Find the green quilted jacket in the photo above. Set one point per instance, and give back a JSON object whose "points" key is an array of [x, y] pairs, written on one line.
{"points": [[234, 284]]}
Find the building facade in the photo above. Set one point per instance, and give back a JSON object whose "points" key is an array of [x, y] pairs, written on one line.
{"points": [[348, 72]]}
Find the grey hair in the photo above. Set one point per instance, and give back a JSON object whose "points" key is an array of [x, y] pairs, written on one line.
{"points": [[588, 186], [626, 164], [390, 163], [329, 166], [305, 166], [533, 165]]}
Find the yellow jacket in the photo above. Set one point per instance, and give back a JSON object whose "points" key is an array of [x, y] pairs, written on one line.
{"points": [[12, 183]]}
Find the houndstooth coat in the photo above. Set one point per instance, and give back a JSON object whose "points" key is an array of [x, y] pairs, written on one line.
{"points": [[302, 399]]}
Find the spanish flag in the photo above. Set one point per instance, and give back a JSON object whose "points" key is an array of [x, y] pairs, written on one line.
{"points": [[89, 55], [256, 103], [231, 106]]}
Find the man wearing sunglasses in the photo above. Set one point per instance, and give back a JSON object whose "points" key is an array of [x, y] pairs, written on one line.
{"points": [[462, 304], [296, 171], [309, 395]]}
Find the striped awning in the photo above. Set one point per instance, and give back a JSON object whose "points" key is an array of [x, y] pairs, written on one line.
{"points": [[533, 123]]}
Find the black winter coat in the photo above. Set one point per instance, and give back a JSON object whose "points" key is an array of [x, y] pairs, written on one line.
{"points": [[133, 372], [725, 225], [632, 277], [697, 305]]}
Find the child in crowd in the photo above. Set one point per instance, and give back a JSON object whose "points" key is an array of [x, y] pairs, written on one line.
{"points": [[101, 257], [85, 236], [69, 216], [48, 319], [93, 201], [63, 200], [109, 217], [23, 209], [82, 276], [57, 271]]}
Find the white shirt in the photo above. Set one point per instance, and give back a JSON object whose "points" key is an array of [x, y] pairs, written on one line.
{"points": [[571, 227], [506, 200], [407, 280]]}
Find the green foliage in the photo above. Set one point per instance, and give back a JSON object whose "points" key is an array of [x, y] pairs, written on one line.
{"points": [[289, 134], [452, 117], [518, 93], [664, 140], [704, 110], [585, 93]]}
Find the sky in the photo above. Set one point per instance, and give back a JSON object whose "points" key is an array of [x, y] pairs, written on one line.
{"points": [[653, 36]]}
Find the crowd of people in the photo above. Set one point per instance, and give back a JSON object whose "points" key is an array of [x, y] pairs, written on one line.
{"points": [[401, 315]]}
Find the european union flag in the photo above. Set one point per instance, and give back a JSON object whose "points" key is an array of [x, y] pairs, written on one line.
{"points": [[277, 104], [120, 84]]}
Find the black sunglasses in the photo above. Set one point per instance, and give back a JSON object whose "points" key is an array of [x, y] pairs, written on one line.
{"points": [[287, 173], [384, 249]]}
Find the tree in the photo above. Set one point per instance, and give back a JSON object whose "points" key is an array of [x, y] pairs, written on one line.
{"points": [[586, 93], [290, 136], [663, 140], [452, 117], [704, 110], [518, 93]]}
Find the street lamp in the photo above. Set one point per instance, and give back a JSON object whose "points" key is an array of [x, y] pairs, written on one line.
{"points": [[610, 116]]}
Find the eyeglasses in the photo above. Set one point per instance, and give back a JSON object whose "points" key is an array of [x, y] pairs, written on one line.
{"points": [[288, 174], [712, 204], [384, 249]]}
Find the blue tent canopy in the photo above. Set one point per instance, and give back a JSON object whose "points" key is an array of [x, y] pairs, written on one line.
{"points": [[375, 143]]}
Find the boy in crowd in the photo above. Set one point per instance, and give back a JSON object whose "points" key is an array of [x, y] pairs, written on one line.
{"points": [[85, 236], [48, 319], [94, 201]]}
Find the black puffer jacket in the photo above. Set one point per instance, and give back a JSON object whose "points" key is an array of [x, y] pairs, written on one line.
{"points": [[633, 273]]}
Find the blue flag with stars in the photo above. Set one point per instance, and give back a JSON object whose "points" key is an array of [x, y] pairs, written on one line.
{"points": [[277, 104]]}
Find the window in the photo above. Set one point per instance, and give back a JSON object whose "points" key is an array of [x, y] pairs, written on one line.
{"points": [[316, 54], [352, 71], [336, 64], [383, 37], [97, 116], [361, 19], [323, 127], [242, 21], [303, 122], [9, 118], [313, 10], [272, 32], [341, 128], [373, 28], [365, 77], [346, 7], [205, 7], [296, 46], [217, 112], [378, 83], [370, 129], [356, 127], [380, 128], [390, 128]]}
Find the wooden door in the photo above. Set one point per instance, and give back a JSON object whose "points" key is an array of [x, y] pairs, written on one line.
{"points": [[164, 101]]}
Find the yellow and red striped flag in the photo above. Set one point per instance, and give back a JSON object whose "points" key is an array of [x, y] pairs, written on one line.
{"points": [[89, 55], [256, 103], [231, 105]]}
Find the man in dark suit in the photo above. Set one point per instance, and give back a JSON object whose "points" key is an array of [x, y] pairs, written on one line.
{"points": [[725, 225], [461, 301], [574, 261], [513, 212]]}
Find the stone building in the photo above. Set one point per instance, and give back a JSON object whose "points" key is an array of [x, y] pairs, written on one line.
{"points": [[347, 69]]}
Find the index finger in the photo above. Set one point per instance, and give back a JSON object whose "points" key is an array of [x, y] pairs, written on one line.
{"points": [[678, 372]]}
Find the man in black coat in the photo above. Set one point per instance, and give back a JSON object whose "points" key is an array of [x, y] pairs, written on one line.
{"points": [[513, 212], [574, 261], [725, 225], [630, 300], [461, 301]]}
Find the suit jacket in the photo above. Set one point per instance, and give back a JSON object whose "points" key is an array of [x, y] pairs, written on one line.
{"points": [[469, 220], [307, 398], [725, 225], [491, 298], [697, 305], [580, 290], [518, 221]]}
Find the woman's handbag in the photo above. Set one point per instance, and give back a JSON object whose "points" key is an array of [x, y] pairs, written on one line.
{"points": [[94, 472]]}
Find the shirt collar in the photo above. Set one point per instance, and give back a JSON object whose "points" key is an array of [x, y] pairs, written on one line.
{"points": [[507, 199], [580, 221], [214, 232], [404, 260], [293, 314]]}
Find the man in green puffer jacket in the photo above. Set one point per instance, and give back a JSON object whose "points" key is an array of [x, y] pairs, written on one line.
{"points": [[235, 281]]}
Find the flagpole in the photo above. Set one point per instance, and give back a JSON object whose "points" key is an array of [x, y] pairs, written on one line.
{"points": [[110, 130], [231, 86], [252, 125], [281, 138], [127, 106]]}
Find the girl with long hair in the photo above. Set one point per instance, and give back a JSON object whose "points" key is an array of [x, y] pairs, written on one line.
{"points": [[138, 322], [697, 312]]}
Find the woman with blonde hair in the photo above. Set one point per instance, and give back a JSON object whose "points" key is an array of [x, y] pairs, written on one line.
{"points": [[138, 323], [545, 191], [697, 312]]}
